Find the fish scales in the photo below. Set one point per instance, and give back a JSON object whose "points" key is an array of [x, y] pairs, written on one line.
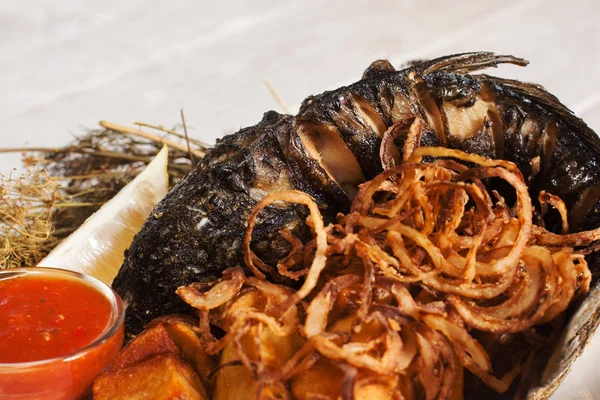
{"points": [[332, 145]]}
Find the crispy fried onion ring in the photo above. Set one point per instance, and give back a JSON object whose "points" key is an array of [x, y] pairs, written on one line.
{"points": [[429, 274], [316, 221]]}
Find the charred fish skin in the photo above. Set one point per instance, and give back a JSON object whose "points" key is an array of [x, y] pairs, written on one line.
{"points": [[332, 145], [197, 229], [482, 114]]}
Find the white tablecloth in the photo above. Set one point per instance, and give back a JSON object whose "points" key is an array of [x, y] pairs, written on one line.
{"points": [[65, 64]]}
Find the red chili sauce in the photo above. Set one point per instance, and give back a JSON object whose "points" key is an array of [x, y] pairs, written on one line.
{"points": [[49, 317], [57, 333]]}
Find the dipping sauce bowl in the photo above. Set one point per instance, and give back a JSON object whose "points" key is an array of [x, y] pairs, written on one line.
{"points": [[58, 330]]}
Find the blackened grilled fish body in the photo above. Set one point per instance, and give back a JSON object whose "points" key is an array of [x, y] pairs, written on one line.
{"points": [[196, 231], [331, 146]]}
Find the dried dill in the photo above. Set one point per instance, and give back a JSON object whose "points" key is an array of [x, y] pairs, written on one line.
{"points": [[27, 205], [66, 185]]}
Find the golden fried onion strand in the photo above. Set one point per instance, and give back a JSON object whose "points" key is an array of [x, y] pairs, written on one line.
{"points": [[400, 289]]}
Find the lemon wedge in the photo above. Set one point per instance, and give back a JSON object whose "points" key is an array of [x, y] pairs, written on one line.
{"points": [[97, 247]]}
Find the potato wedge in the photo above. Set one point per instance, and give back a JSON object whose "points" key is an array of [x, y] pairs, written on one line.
{"points": [[371, 386], [147, 344], [154, 366], [235, 381], [163, 376], [180, 329], [322, 379]]}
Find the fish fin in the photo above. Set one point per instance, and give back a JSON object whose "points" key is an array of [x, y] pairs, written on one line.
{"points": [[469, 62], [414, 63], [530, 90]]}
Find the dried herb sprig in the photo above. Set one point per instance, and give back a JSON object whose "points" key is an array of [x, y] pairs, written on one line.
{"points": [[27, 205], [74, 181]]}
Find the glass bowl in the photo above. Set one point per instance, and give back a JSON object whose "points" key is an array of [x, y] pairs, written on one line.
{"points": [[69, 376]]}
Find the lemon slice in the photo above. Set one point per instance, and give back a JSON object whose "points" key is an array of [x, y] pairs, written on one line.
{"points": [[97, 247]]}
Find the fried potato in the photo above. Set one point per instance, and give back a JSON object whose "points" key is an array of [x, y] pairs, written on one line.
{"points": [[179, 328], [163, 376], [235, 381], [147, 344], [154, 366], [323, 379], [376, 391]]}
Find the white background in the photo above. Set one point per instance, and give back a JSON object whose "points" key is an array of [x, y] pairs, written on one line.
{"points": [[66, 64]]}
